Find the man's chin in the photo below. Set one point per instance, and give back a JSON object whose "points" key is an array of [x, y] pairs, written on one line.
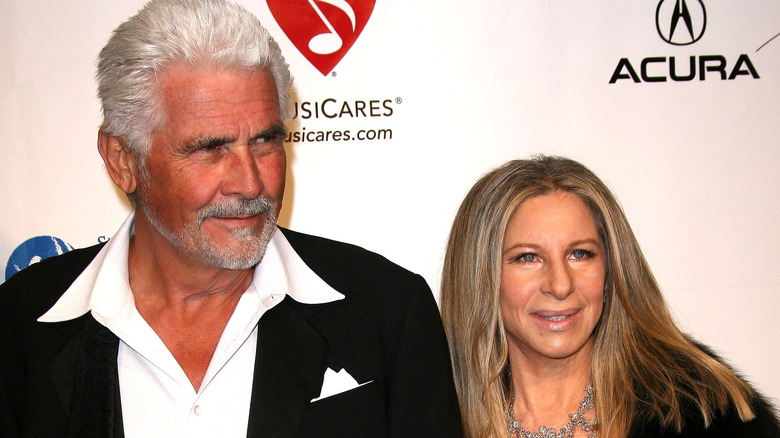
{"points": [[235, 258], [242, 248]]}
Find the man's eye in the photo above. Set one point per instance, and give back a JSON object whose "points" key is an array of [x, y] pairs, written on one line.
{"points": [[269, 138], [211, 145]]}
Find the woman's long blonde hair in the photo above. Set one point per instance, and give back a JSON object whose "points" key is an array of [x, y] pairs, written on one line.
{"points": [[640, 357]]}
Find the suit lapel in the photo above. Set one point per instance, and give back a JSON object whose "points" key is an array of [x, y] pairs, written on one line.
{"points": [[62, 366], [289, 367], [94, 401]]}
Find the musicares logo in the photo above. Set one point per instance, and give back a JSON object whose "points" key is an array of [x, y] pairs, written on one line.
{"points": [[322, 30]]}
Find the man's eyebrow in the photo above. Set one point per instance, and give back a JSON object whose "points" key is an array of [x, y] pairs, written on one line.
{"points": [[206, 142], [276, 130], [210, 141]]}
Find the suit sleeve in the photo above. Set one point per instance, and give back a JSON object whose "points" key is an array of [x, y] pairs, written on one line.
{"points": [[7, 423], [423, 401]]}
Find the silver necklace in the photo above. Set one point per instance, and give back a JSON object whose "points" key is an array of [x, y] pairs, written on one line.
{"points": [[576, 420]]}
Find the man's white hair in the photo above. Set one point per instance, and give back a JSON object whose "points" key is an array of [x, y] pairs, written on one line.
{"points": [[201, 33]]}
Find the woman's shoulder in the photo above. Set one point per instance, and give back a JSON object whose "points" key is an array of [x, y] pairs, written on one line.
{"points": [[725, 424], [766, 422]]}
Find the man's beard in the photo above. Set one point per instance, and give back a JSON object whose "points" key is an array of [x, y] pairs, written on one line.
{"points": [[247, 249]]}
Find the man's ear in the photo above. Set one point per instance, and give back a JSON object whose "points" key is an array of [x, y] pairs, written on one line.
{"points": [[119, 160]]}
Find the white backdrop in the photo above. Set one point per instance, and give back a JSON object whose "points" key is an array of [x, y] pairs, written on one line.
{"points": [[465, 86]]}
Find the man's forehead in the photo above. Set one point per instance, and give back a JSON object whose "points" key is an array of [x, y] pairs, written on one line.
{"points": [[219, 103], [185, 76]]}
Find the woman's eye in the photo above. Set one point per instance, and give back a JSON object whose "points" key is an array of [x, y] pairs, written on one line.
{"points": [[579, 254], [526, 257]]}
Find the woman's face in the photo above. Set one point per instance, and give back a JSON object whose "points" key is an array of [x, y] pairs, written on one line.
{"points": [[552, 278]]}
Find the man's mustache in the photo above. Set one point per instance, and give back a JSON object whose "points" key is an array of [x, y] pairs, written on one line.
{"points": [[236, 207]]}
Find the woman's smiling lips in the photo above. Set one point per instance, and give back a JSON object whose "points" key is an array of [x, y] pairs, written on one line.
{"points": [[555, 320]]}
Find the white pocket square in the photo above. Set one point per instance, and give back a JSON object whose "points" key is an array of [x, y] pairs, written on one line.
{"points": [[337, 382]]}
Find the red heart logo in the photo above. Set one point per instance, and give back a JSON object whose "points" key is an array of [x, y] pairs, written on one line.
{"points": [[322, 30]]}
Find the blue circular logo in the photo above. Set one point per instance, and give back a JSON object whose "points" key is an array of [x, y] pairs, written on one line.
{"points": [[34, 250]]}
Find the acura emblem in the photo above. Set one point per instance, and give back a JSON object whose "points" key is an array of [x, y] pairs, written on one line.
{"points": [[680, 22]]}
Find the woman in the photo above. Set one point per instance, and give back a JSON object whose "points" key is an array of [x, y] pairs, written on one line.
{"points": [[550, 309]]}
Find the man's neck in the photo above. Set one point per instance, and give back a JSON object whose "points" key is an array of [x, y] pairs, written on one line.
{"points": [[160, 272], [187, 304]]}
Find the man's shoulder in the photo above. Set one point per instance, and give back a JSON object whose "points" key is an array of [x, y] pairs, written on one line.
{"points": [[323, 253], [37, 287], [357, 272]]}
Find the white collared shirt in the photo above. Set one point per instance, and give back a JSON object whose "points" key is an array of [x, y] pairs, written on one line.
{"points": [[157, 397]]}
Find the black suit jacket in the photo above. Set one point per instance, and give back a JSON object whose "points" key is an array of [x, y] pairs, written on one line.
{"points": [[60, 379]]}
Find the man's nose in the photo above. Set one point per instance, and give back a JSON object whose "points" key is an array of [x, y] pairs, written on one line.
{"points": [[244, 177]]}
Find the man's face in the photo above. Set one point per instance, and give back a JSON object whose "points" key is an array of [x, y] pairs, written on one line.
{"points": [[213, 179]]}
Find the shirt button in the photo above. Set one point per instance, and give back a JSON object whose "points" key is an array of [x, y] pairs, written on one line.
{"points": [[196, 410]]}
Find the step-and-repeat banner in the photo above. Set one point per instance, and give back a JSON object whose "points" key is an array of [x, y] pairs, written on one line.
{"points": [[401, 105]]}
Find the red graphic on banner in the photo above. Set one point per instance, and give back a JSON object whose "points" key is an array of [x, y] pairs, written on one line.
{"points": [[322, 30]]}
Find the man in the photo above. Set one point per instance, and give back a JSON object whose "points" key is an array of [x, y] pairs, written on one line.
{"points": [[200, 317]]}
